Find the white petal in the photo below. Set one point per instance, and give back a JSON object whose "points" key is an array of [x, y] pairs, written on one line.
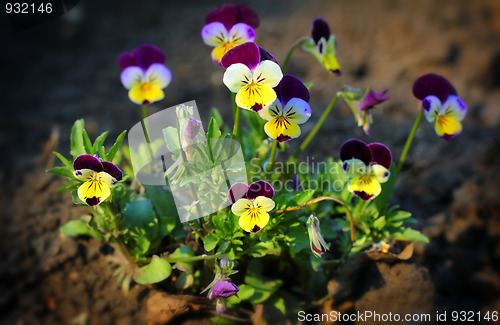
{"points": [[297, 110], [159, 75], [268, 73], [271, 111], [454, 107], [131, 76], [214, 34], [237, 76], [240, 206], [431, 106], [241, 33], [264, 203]]}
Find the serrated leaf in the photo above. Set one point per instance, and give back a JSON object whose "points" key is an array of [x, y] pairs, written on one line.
{"points": [[74, 228], [99, 141], [114, 149], [65, 161], [61, 171], [76, 139], [156, 271], [210, 242]]}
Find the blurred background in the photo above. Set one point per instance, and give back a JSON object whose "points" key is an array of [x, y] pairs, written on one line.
{"points": [[66, 69]]}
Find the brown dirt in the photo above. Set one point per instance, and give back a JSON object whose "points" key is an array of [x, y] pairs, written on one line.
{"points": [[65, 69]]}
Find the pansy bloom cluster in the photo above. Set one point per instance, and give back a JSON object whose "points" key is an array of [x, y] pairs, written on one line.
{"points": [[442, 107], [323, 46], [144, 74], [252, 204], [367, 166], [227, 26], [98, 176]]}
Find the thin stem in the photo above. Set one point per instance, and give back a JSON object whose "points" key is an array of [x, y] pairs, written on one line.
{"points": [[272, 156], [409, 140], [237, 120], [193, 258], [145, 129], [315, 130], [294, 46], [319, 199]]}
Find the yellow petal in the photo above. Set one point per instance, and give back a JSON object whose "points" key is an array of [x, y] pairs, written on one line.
{"points": [[365, 186], [145, 92], [254, 220], [107, 179], [255, 96], [447, 125], [282, 129], [93, 192], [221, 49]]}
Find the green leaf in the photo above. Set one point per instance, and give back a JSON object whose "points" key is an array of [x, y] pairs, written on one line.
{"points": [[65, 161], [61, 171], [114, 149], [139, 214], [303, 197], [213, 129], [269, 247], [99, 141], [409, 234], [76, 139], [74, 228], [387, 190], [210, 242], [379, 224], [171, 139], [76, 199], [264, 287], [87, 143], [183, 252], [298, 239], [308, 85], [214, 113], [245, 293], [156, 271]]}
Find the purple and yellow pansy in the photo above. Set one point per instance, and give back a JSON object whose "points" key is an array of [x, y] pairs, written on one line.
{"points": [[144, 74], [251, 75], [227, 26], [442, 107], [290, 109], [98, 176], [367, 166], [252, 204], [323, 46]]}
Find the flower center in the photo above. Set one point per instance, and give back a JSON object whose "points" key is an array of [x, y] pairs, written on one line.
{"points": [[282, 121], [145, 87]]}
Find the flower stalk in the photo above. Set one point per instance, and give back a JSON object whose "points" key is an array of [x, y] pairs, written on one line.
{"points": [[294, 46], [409, 141]]}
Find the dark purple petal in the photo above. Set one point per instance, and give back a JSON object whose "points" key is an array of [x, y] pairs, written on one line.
{"points": [[247, 15], [433, 84], [223, 289], [320, 29], [290, 87], [363, 195], [87, 162], [381, 154], [231, 14], [128, 59], [356, 149], [237, 191], [260, 188], [112, 169], [247, 53], [372, 98], [92, 201], [148, 54], [264, 55]]}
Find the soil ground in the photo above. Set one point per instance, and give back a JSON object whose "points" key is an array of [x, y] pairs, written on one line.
{"points": [[66, 69]]}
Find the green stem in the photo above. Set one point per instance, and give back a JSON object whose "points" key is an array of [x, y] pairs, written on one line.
{"points": [[294, 46], [315, 130], [272, 156], [409, 140], [145, 129], [193, 259], [237, 119]]}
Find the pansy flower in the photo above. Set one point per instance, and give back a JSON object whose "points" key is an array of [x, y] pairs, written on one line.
{"points": [[318, 244], [290, 109], [252, 204], [228, 26], [322, 45], [98, 176], [361, 107], [250, 77], [367, 166], [144, 74], [442, 107]]}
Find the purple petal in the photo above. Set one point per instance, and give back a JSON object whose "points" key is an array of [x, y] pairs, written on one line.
{"points": [[363, 195], [356, 149], [433, 84], [381, 154], [264, 55], [148, 54], [237, 191], [112, 169], [260, 188], [128, 59], [372, 98], [87, 162], [192, 128], [231, 14], [247, 53], [320, 29], [291, 87], [223, 289]]}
